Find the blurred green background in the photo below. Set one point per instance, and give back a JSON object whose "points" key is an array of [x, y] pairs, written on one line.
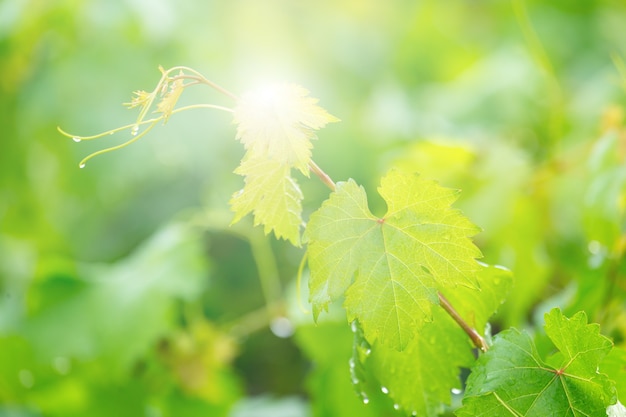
{"points": [[123, 289]]}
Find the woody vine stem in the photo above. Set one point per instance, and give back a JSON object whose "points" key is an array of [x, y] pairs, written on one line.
{"points": [[169, 88]]}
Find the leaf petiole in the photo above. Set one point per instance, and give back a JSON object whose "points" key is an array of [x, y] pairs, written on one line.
{"points": [[322, 175], [477, 339]]}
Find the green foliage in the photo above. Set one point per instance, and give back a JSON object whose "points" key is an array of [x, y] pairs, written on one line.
{"points": [[126, 288], [144, 287], [513, 379]]}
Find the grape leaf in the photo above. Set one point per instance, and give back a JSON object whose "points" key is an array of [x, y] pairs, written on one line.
{"points": [[512, 378], [421, 377], [389, 268], [278, 122], [272, 194], [614, 366]]}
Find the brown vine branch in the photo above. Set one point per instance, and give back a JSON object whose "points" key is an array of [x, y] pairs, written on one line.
{"points": [[477, 339]]}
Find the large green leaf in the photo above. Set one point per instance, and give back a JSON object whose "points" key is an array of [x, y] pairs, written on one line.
{"points": [[391, 267], [511, 379]]}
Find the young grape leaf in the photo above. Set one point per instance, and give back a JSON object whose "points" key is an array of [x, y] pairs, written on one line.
{"points": [[511, 379], [272, 194], [389, 268], [278, 122]]}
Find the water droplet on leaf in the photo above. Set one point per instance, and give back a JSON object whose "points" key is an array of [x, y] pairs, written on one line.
{"points": [[384, 390], [396, 406], [354, 327], [456, 391], [366, 400]]}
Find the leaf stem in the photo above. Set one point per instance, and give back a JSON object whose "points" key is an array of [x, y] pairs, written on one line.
{"points": [[322, 175], [299, 283], [477, 339], [267, 270]]}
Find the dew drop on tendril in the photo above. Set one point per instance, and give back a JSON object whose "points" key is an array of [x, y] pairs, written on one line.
{"points": [[134, 130], [81, 166], [75, 139]]}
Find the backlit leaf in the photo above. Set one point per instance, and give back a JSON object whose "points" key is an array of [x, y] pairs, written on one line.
{"points": [[511, 379], [278, 122], [272, 195], [389, 268]]}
